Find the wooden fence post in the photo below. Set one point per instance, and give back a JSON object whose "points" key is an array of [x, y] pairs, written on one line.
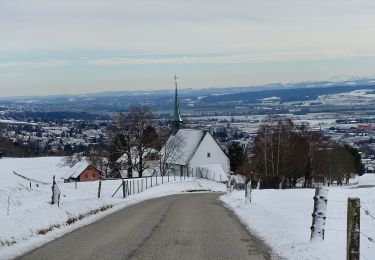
{"points": [[138, 186], [142, 185], [123, 189], [248, 192], [8, 204], [99, 188], [353, 229], [319, 214], [53, 190]]}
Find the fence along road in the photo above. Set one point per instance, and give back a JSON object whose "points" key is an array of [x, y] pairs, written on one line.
{"points": [[184, 226]]}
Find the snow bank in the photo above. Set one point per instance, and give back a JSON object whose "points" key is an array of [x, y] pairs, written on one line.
{"points": [[282, 218]]}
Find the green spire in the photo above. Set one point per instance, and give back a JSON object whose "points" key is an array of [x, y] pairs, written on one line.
{"points": [[177, 121]]}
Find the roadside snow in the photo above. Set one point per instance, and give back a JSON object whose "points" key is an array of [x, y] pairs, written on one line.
{"points": [[282, 218], [25, 210]]}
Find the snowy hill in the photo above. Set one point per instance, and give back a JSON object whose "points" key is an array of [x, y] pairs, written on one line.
{"points": [[28, 219]]}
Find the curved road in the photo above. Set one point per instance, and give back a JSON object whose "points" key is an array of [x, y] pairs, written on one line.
{"points": [[186, 226]]}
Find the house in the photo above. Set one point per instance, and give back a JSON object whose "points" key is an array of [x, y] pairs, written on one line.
{"points": [[199, 155], [82, 171]]}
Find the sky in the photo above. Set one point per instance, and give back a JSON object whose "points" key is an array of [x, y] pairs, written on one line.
{"points": [[52, 47]]}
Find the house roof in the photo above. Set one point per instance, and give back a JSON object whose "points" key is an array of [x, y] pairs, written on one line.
{"points": [[190, 140], [76, 170]]}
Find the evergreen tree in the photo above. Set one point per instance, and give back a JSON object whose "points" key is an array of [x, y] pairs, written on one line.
{"points": [[358, 165], [237, 155]]}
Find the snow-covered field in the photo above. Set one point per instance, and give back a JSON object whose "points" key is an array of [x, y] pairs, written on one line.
{"points": [[282, 218], [351, 98], [26, 212]]}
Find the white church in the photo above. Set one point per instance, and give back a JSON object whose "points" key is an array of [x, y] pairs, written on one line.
{"points": [[199, 153]]}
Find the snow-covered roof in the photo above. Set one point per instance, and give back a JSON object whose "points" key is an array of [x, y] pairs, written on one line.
{"points": [[76, 170], [189, 140]]}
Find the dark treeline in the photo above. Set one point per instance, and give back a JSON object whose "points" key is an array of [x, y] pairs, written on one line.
{"points": [[284, 154], [58, 115], [9, 148]]}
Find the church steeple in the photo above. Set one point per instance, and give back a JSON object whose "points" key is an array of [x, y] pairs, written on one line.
{"points": [[177, 120]]}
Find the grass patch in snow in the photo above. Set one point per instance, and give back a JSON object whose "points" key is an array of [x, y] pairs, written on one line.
{"points": [[72, 220], [46, 230], [81, 216], [7, 243], [198, 190]]}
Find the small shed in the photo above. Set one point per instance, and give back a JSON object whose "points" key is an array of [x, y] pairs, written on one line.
{"points": [[81, 172]]}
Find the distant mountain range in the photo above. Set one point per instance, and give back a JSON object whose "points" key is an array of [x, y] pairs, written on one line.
{"points": [[116, 101]]}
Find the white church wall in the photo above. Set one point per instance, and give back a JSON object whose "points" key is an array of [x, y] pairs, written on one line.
{"points": [[209, 152]]}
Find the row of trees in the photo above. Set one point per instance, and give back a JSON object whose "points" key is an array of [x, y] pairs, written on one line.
{"points": [[284, 154]]}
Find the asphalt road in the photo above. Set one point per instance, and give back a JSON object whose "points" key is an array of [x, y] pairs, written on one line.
{"points": [[188, 226]]}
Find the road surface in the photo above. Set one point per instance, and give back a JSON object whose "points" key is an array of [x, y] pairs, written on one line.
{"points": [[184, 226]]}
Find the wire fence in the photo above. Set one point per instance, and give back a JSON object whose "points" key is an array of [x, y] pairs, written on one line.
{"points": [[371, 217]]}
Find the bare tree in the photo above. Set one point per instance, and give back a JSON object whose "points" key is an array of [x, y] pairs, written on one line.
{"points": [[284, 154], [73, 159], [133, 137], [99, 157], [170, 149]]}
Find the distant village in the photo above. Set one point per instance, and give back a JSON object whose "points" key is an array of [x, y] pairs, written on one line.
{"points": [[51, 138], [66, 137]]}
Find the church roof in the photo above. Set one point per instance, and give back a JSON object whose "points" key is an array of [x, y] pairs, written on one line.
{"points": [[177, 120], [176, 112], [189, 140]]}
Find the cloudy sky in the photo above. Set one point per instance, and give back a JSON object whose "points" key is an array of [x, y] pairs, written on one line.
{"points": [[79, 46]]}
